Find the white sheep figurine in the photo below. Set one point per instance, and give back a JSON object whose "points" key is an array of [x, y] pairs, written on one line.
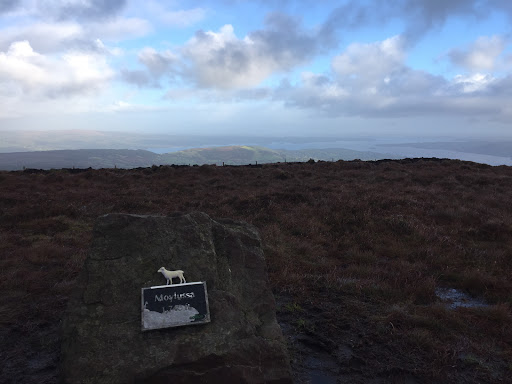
{"points": [[169, 275]]}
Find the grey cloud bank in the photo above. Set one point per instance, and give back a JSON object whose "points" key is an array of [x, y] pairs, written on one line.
{"points": [[419, 16], [100, 59], [369, 79], [80, 10], [7, 5]]}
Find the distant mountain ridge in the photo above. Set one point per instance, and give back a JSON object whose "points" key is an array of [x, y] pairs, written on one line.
{"points": [[128, 158], [78, 158]]}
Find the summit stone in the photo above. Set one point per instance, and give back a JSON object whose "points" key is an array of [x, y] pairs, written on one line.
{"points": [[102, 340]]}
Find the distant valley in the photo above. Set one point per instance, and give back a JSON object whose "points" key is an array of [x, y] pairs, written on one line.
{"points": [[127, 158], [70, 148]]}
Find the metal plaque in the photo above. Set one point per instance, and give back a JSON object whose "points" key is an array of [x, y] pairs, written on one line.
{"points": [[174, 305]]}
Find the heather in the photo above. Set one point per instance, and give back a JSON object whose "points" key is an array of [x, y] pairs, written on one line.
{"points": [[355, 252]]}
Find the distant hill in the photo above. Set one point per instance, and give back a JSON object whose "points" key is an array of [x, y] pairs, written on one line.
{"points": [[126, 158], [333, 154], [79, 158], [232, 155], [239, 155]]}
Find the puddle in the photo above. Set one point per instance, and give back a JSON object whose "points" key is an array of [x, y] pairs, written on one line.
{"points": [[318, 377], [455, 299], [321, 369]]}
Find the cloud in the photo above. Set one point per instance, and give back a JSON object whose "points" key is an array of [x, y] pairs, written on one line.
{"points": [[44, 37], [8, 5], [137, 77], [476, 82], [482, 55], [372, 80], [423, 15], [158, 63], [81, 10], [419, 16], [34, 75], [376, 73], [126, 107], [502, 87], [286, 41], [221, 60], [252, 94], [63, 36], [368, 63]]}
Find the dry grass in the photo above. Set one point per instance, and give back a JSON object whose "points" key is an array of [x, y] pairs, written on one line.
{"points": [[371, 238]]}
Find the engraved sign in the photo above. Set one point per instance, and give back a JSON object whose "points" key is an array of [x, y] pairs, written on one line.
{"points": [[174, 305]]}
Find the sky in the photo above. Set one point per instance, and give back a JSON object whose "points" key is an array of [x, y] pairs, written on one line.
{"points": [[302, 68]]}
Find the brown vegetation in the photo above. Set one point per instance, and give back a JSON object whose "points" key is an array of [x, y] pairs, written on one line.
{"points": [[355, 252]]}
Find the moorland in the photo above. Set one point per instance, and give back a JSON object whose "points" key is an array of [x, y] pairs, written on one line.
{"points": [[357, 253]]}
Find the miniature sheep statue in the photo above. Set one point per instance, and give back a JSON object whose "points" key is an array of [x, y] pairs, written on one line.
{"points": [[169, 275]]}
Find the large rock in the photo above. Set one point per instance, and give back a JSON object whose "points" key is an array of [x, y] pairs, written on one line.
{"points": [[102, 337]]}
